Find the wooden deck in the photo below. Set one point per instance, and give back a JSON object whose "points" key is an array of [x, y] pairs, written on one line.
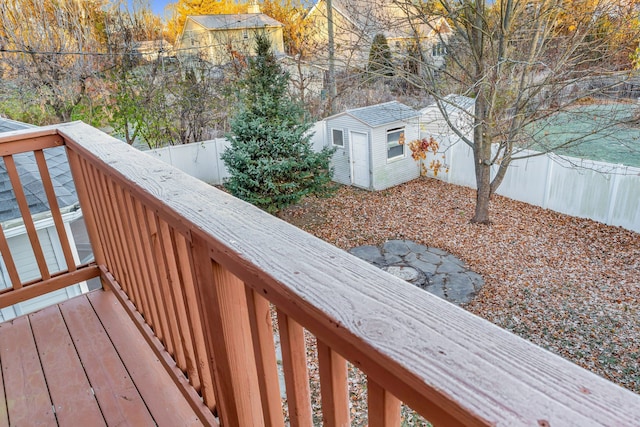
{"points": [[84, 363], [185, 328]]}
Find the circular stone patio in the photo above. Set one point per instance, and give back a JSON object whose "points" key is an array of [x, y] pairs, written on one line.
{"points": [[431, 269]]}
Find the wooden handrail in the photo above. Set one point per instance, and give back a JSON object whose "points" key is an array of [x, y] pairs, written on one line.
{"points": [[168, 239]]}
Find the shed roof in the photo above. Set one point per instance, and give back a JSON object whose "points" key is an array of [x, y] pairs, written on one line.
{"points": [[382, 114], [453, 103], [235, 21], [30, 178]]}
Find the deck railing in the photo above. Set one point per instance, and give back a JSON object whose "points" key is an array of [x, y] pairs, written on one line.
{"points": [[34, 143], [203, 275]]}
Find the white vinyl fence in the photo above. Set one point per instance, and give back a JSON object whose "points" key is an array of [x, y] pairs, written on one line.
{"points": [[583, 188], [600, 191], [200, 159]]}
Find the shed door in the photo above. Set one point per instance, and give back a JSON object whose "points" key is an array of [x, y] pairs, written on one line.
{"points": [[359, 159]]}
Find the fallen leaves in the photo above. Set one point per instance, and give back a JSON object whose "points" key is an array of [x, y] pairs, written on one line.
{"points": [[570, 285]]}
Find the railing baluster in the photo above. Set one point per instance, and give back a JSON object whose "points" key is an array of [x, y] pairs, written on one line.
{"points": [[152, 258], [296, 376], [29, 225], [127, 280], [225, 317], [145, 255], [170, 283], [162, 286], [205, 375], [129, 243], [121, 239], [262, 332], [95, 179], [384, 408], [182, 278], [88, 208], [8, 261], [334, 387], [55, 210], [86, 187]]}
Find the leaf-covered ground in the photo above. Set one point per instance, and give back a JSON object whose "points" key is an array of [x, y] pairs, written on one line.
{"points": [[567, 284]]}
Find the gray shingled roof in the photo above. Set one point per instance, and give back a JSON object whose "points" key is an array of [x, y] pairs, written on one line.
{"points": [[382, 114], [30, 177], [236, 21]]}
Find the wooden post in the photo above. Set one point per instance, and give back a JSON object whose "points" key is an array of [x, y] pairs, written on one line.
{"points": [[262, 328], [296, 374], [225, 319], [334, 387], [384, 408]]}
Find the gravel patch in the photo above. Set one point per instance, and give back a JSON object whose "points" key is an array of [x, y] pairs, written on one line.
{"points": [[567, 284]]}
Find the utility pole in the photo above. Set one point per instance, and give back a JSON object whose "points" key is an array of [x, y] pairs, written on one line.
{"points": [[333, 92]]}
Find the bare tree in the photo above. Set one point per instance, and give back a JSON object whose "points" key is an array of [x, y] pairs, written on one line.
{"points": [[51, 50], [524, 62]]}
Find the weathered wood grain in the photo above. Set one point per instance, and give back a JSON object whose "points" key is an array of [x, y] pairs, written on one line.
{"points": [[444, 362], [114, 389], [166, 403], [28, 401], [68, 386]]}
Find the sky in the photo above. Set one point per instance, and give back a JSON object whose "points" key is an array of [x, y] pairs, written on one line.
{"points": [[157, 6]]}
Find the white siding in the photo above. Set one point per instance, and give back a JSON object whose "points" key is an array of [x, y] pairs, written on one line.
{"points": [[341, 160], [387, 173]]}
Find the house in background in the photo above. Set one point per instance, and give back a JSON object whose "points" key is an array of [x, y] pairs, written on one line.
{"points": [[152, 50], [357, 22], [371, 145], [223, 39], [15, 231]]}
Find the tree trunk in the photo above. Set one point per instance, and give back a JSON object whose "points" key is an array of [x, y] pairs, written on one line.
{"points": [[483, 194], [481, 140]]}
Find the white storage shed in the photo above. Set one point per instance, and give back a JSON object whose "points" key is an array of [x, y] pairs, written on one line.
{"points": [[371, 145]]}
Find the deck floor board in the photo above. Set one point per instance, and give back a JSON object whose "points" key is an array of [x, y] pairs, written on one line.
{"points": [[87, 357], [68, 385], [26, 393], [115, 391]]}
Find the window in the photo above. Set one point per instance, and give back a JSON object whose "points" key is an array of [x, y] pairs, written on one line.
{"points": [[245, 34], [337, 137], [395, 143], [438, 49]]}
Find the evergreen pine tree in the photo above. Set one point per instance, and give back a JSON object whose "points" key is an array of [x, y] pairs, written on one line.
{"points": [[380, 57], [270, 160]]}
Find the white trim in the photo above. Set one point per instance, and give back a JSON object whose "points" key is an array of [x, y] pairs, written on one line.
{"points": [[16, 227], [333, 144], [403, 132]]}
